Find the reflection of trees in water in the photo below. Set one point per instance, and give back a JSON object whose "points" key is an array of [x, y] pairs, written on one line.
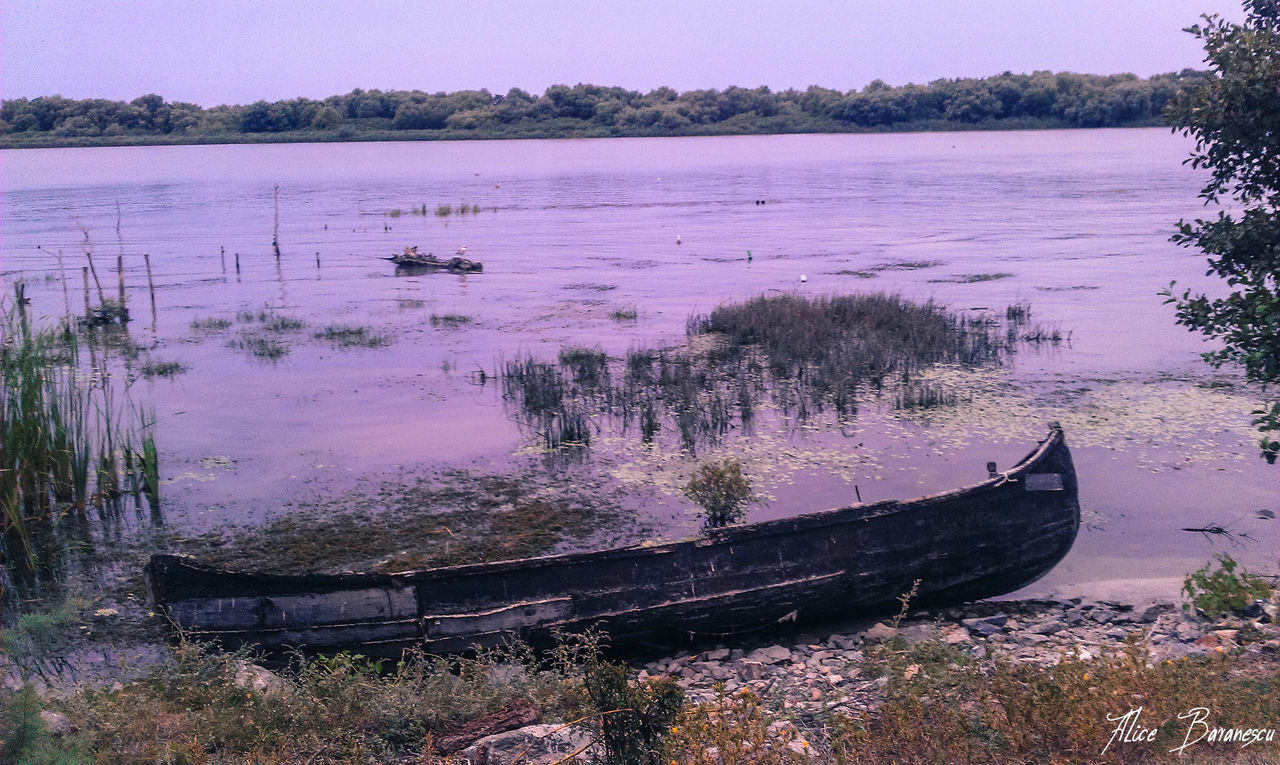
{"points": [[800, 356]]}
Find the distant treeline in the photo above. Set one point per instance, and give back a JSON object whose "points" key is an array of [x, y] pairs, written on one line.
{"points": [[1041, 99]]}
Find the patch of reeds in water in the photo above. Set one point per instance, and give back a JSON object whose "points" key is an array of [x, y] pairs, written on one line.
{"points": [[70, 441], [803, 356], [452, 320], [346, 336]]}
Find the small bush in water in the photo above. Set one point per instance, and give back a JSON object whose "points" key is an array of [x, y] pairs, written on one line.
{"points": [[722, 490]]}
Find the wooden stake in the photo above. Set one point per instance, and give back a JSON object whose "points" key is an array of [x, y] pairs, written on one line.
{"points": [[237, 263], [120, 278], [66, 291], [96, 282], [20, 296], [222, 252], [275, 233], [317, 260], [151, 287], [88, 312]]}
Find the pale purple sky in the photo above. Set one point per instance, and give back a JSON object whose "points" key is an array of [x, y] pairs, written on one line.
{"points": [[237, 51]]}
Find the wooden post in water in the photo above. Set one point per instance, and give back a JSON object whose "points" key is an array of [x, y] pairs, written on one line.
{"points": [[20, 299], [222, 253], [275, 233], [88, 312], [96, 282], [317, 260], [151, 286], [66, 291], [237, 264], [124, 312]]}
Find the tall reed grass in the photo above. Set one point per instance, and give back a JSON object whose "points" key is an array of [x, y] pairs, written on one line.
{"points": [[802, 355], [69, 440]]}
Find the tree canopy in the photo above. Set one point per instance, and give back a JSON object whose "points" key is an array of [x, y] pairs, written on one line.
{"points": [[1041, 99], [1234, 117]]}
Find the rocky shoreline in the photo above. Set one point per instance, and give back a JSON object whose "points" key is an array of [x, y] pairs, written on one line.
{"points": [[814, 675], [800, 680]]}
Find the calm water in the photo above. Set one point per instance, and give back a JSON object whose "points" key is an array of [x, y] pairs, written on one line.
{"points": [[572, 231]]}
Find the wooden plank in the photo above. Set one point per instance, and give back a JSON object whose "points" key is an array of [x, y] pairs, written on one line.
{"points": [[282, 611], [509, 618], [318, 637]]}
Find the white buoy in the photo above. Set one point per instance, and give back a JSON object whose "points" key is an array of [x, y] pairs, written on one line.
{"points": [[803, 278], [461, 251]]}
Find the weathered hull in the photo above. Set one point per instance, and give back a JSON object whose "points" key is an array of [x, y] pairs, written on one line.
{"points": [[971, 543]]}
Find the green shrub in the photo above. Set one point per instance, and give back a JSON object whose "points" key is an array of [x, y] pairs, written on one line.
{"points": [[1220, 591], [722, 490], [635, 717]]}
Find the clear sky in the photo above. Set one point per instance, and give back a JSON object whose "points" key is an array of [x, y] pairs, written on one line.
{"points": [[237, 51]]}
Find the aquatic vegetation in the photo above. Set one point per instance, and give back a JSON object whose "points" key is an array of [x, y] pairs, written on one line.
{"points": [[1038, 333], [907, 265], [210, 325], [801, 356], [155, 368], [273, 323], [107, 313], [924, 394], [450, 518], [62, 425], [971, 278], [591, 286], [628, 313], [722, 491], [347, 336], [452, 320], [260, 346]]}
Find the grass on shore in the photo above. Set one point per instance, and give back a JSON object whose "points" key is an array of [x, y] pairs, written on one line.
{"points": [[940, 704]]}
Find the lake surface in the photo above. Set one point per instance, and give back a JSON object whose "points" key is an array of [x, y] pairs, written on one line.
{"points": [[1074, 223]]}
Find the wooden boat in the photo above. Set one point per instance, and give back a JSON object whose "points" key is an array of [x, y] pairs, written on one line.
{"points": [[971, 543], [412, 260]]}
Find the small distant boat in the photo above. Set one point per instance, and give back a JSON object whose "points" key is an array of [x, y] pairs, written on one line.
{"points": [[976, 542], [411, 259]]}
